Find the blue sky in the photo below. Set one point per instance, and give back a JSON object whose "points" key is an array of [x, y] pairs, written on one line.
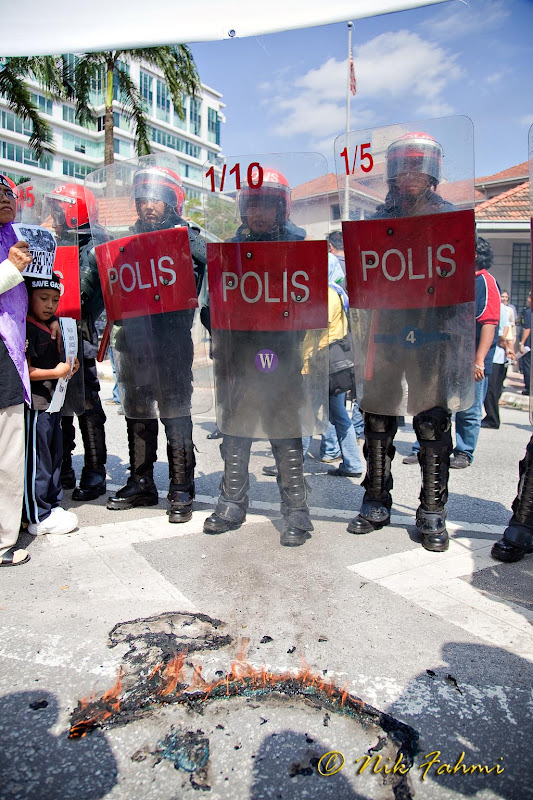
{"points": [[286, 91]]}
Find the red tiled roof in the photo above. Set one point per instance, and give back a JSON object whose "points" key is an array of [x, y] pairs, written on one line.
{"points": [[518, 171], [325, 183], [455, 192], [513, 204]]}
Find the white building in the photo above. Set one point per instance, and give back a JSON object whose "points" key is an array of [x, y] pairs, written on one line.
{"points": [[79, 150]]}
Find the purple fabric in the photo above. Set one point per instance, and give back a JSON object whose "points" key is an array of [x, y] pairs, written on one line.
{"points": [[13, 310]]}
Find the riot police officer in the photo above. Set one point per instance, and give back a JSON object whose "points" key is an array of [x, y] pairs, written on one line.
{"points": [[262, 399], [70, 206], [432, 373], [153, 357]]}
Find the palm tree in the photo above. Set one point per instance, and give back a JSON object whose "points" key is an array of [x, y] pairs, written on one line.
{"points": [[179, 70], [52, 75]]}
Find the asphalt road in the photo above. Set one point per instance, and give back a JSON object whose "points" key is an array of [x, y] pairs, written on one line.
{"points": [[440, 642]]}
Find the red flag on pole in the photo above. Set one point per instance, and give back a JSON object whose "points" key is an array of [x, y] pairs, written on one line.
{"points": [[353, 84]]}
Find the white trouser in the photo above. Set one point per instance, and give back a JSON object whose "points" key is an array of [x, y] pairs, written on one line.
{"points": [[11, 474]]}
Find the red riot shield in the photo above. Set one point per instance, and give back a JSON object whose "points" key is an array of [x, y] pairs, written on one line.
{"points": [[268, 294], [66, 267], [149, 273], [406, 194], [150, 286], [35, 208]]}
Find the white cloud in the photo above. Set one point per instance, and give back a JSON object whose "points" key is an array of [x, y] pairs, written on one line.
{"points": [[454, 21], [527, 120], [393, 65]]}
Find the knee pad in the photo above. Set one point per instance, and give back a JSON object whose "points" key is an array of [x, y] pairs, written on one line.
{"points": [[381, 425], [432, 425]]}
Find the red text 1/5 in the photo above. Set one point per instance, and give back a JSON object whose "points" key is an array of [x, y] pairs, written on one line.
{"points": [[366, 162]]}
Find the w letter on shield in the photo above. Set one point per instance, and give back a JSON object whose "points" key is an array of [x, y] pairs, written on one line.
{"points": [[266, 361]]}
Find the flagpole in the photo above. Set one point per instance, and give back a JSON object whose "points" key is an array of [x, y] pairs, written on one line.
{"points": [[346, 214]]}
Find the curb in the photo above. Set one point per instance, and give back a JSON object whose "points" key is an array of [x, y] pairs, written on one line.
{"points": [[513, 400]]}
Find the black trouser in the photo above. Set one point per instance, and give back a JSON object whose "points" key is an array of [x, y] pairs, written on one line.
{"points": [[44, 453], [525, 368], [93, 416], [494, 391]]}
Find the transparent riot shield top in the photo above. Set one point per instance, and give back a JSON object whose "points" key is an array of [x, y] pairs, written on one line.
{"points": [[531, 207], [48, 218], [406, 194], [151, 266], [53, 238], [266, 219]]}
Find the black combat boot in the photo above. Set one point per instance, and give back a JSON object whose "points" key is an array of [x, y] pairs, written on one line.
{"points": [[518, 536], [379, 451], [288, 454], [433, 432], [181, 463], [68, 476], [140, 490], [92, 482], [230, 511]]}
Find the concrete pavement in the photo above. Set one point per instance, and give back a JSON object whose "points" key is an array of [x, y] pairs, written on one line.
{"points": [[441, 642]]}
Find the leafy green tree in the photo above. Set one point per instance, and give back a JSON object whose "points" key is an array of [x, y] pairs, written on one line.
{"points": [[52, 75], [194, 211], [179, 70]]}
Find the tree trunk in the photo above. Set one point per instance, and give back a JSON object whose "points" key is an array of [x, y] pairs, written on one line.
{"points": [[109, 147]]}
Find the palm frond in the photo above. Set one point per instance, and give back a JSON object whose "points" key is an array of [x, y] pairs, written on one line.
{"points": [[20, 101], [178, 67], [132, 103], [87, 69]]}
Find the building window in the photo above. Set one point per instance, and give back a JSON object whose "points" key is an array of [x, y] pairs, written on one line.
{"points": [[122, 148], [81, 145], [117, 93], [74, 170], [69, 115], [521, 274], [181, 123], [16, 152], [10, 122], [120, 121], [162, 102], [147, 91], [192, 194], [175, 143], [193, 173], [213, 126], [195, 117], [335, 211], [43, 103], [96, 94]]}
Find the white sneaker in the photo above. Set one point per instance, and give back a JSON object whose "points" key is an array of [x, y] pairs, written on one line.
{"points": [[59, 521]]}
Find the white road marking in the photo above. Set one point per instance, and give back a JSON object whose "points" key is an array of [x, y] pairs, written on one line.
{"points": [[397, 520], [433, 582]]}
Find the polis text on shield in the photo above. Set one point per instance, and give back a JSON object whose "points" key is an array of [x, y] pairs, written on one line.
{"points": [[397, 265], [140, 275], [254, 287]]}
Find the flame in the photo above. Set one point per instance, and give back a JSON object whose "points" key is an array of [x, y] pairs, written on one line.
{"points": [[171, 674], [109, 699], [344, 693], [241, 674]]}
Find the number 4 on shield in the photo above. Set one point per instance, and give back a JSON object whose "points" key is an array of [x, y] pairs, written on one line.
{"points": [[364, 156]]}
